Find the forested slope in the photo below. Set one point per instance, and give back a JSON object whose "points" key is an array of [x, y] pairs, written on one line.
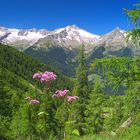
{"points": [[16, 82]]}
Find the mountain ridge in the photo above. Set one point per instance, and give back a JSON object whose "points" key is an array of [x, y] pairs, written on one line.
{"points": [[60, 47], [29, 37]]}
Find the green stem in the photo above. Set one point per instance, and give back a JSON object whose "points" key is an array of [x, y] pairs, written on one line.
{"points": [[45, 117], [30, 120], [70, 121], [62, 123], [46, 89]]}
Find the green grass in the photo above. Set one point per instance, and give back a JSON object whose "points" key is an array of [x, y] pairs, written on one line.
{"points": [[92, 137]]}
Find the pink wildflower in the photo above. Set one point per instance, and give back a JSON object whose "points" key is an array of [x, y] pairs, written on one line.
{"points": [[71, 98], [32, 102], [37, 75], [60, 93], [48, 77], [45, 77]]}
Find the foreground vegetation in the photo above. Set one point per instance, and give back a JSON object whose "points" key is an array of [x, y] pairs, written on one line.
{"points": [[95, 111]]}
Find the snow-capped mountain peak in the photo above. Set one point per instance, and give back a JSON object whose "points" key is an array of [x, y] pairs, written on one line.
{"points": [[81, 32], [75, 33]]}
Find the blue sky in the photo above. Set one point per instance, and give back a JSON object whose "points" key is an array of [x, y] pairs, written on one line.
{"points": [[95, 16]]}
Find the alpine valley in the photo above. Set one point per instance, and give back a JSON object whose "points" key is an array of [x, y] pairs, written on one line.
{"points": [[59, 47]]}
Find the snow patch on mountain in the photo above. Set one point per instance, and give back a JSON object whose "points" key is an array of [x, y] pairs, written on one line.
{"points": [[15, 35], [75, 33]]}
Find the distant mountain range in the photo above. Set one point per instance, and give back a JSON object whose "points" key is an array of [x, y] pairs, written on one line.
{"points": [[60, 47]]}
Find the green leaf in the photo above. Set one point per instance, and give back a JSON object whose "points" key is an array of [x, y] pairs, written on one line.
{"points": [[41, 113], [76, 132]]}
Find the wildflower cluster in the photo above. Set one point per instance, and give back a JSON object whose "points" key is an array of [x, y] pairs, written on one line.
{"points": [[71, 98], [63, 93], [45, 77], [60, 93], [48, 77]]}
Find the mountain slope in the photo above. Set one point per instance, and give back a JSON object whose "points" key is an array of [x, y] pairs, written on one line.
{"points": [[62, 55], [16, 83], [59, 48], [23, 66]]}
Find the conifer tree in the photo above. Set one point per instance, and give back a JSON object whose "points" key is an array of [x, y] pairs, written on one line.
{"points": [[94, 112], [134, 16], [81, 90], [132, 94]]}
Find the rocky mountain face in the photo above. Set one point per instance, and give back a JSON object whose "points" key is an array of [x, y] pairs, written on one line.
{"points": [[60, 47]]}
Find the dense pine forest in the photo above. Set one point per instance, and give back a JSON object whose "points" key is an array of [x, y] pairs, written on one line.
{"points": [[102, 102]]}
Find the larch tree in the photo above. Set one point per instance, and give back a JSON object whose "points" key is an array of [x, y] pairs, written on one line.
{"points": [[134, 16]]}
